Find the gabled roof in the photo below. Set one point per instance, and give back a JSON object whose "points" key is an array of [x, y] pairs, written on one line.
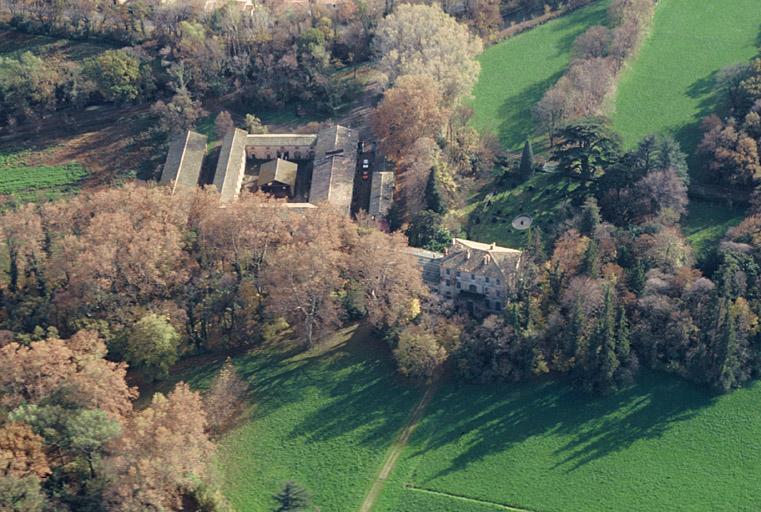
{"points": [[335, 164], [479, 258], [231, 166], [278, 170], [275, 140], [381, 193], [184, 161]]}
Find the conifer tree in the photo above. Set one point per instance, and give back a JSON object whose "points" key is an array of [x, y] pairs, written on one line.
{"points": [[590, 217], [293, 498], [433, 197], [526, 169], [623, 343], [728, 361], [608, 360], [591, 263]]}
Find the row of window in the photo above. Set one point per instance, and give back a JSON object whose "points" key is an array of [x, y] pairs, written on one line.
{"points": [[472, 276]]}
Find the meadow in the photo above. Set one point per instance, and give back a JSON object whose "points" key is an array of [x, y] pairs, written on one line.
{"points": [[706, 223], [662, 444], [517, 72], [24, 182], [323, 418], [671, 85]]}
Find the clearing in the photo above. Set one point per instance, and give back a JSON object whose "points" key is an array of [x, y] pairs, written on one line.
{"points": [[670, 86], [325, 418], [21, 182], [541, 446], [517, 72]]}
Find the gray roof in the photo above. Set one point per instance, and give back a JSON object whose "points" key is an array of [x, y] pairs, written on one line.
{"points": [[430, 263], [184, 160], [381, 193], [485, 259], [279, 170], [335, 163], [231, 165], [275, 140]]}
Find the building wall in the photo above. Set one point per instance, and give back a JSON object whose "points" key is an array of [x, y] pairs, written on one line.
{"points": [[493, 290]]}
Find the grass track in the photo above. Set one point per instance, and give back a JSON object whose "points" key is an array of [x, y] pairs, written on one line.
{"points": [[24, 183], [516, 73], [663, 444], [670, 86]]}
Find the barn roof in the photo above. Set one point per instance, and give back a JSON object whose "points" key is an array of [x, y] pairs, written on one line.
{"points": [[276, 140], [381, 193], [279, 170], [231, 166], [184, 160], [335, 164]]}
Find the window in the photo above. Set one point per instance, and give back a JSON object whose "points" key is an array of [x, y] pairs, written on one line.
{"points": [[487, 279], [487, 304], [448, 272], [499, 282], [448, 295], [486, 290], [458, 273], [473, 288], [472, 277], [497, 305], [457, 285], [499, 293]]}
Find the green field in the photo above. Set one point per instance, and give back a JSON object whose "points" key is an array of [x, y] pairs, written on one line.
{"points": [[324, 420], [663, 444], [23, 182], [517, 72], [547, 198], [13, 43], [670, 86], [706, 223]]}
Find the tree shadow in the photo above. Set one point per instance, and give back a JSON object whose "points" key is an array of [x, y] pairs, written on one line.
{"points": [[517, 125], [369, 395], [493, 418]]}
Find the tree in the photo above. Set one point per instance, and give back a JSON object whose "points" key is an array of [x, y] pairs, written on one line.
{"points": [[21, 452], [526, 168], [423, 40], [116, 74], [152, 345], [223, 123], [163, 451], [254, 124], [21, 494], [427, 230], [587, 148], [417, 353], [590, 217], [593, 43], [433, 197], [552, 111], [292, 498], [225, 399], [87, 431], [180, 114], [411, 110]]}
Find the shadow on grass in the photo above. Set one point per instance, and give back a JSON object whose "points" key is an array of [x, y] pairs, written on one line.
{"points": [[517, 125], [495, 418]]}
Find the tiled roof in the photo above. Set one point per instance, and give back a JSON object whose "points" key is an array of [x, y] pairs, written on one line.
{"points": [[231, 165], [184, 160], [335, 164], [275, 140], [279, 170], [479, 258], [381, 193]]}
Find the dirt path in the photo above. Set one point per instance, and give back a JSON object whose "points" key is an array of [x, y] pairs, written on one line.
{"points": [[401, 442], [468, 499]]}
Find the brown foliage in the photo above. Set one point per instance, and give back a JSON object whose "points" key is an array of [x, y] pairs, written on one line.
{"points": [[225, 400], [411, 110], [21, 452]]}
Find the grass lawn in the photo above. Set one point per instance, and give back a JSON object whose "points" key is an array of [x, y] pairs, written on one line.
{"points": [[662, 444], [13, 43], [516, 73], [547, 198], [22, 182], [324, 419], [706, 223], [670, 86]]}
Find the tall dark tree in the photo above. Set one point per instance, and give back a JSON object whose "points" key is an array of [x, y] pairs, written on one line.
{"points": [[590, 217], [433, 196], [293, 498], [526, 169], [587, 148], [591, 261], [728, 363]]}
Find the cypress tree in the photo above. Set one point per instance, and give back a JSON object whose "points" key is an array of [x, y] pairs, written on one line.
{"points": [[637, 277], [590, 217], [433, 197], [526, 169], [623, 343], [606, 334], [728, 358], [591, 261], [293, 498]]}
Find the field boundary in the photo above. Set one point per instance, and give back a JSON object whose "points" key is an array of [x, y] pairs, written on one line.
{"points": [[460, 497], [399, 445]]}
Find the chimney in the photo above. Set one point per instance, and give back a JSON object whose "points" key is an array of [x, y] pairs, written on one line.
{"points": [[493, 246], [467, 254]]}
